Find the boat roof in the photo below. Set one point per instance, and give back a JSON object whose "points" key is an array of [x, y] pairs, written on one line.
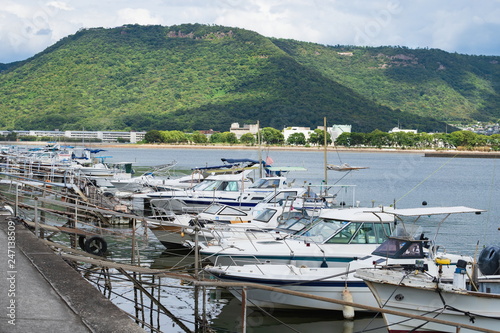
{"points": [[357, 215], [434, 211]]}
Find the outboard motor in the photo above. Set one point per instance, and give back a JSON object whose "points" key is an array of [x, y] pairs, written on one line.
{"points": [[489, 260]]}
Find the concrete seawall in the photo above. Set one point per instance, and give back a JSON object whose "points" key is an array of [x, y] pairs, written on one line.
{"points": [[40, 292], [463, 154]]}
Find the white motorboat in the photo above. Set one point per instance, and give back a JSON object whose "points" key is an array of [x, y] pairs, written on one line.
{"points": [[173, 231], [401, 250], [336, 238], [220, 188], [427, 295]]}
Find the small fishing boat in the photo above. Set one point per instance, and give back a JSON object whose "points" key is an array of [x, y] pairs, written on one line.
{"points": [[467, 302], [428, 295], [343, 167]]}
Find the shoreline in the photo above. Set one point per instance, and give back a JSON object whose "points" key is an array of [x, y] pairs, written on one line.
{"points": [[429, 152]]}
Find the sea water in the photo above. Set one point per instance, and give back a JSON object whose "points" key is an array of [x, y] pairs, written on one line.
{"points": [[406, 180]]}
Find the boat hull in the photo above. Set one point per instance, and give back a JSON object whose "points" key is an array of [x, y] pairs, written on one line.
{"points": [[425, 299], [292, 280]]}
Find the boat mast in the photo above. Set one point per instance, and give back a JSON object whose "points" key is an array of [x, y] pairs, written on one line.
{"points": [[325, 153], [259, 141]]}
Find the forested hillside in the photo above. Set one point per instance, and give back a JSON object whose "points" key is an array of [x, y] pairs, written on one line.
{"points": [[192, 77], [427, 82]]}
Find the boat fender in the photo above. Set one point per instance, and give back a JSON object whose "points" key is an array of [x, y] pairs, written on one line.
{"points": [[347, 311], [81, 241], [96, 245], [489, 260]]}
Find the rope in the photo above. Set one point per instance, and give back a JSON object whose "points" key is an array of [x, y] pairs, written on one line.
{"points": [[425, 179]]}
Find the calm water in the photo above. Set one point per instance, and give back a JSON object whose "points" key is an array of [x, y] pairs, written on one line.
{"points": [[406, 179]]}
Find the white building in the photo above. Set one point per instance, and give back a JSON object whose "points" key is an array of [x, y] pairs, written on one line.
{"points": [[397, 129], [111, 136], [334, 131], [287, 131], [240, 131]]}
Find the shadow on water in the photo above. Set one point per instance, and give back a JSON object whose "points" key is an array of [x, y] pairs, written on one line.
{"points": [[270, 321], [174, 259]]}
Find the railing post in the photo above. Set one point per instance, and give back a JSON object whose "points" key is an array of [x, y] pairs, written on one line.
{"points": [[37, 226], [243, 310]]}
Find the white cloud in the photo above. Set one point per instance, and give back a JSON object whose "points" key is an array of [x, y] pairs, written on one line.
{"points": [[60, 5], [28, 26], [137, 15]]}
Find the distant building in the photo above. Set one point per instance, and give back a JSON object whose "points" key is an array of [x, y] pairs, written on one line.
{"points": [[110, 136], [208, 133], [397, 129], [240, 131], [287, 131], [334, 131]]}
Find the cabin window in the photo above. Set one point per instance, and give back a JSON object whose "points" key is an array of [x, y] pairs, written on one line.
{"points": [[414, 250], [212, 209], [346, 234], [229, 186], [362, 233], [215, 185], [283, 196], [231, 211], [321, 231], [400, 248], [365, 235], [296, 225], [265, 216], [204, 185]]}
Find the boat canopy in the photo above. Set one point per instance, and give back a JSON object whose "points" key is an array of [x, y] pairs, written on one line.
{"points": [[395, 248], [434, 211]]}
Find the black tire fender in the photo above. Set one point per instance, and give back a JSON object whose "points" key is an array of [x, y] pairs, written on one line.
{"points": [[81, 241], [96, 245]]}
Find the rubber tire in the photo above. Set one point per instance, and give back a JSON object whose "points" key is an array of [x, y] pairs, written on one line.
{"points": [[96, 245], [81, 241]]}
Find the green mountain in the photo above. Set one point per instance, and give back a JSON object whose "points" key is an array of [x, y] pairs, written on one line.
{"points": [[191, 77]]}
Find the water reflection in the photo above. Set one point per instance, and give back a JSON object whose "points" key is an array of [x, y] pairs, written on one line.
{"points": [[294, 321]]}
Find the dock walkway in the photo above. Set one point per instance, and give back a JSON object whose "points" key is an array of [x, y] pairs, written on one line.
{"points": [[40, 292]]}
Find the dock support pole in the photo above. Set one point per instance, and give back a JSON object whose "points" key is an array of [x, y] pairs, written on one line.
{"points": [[243, 310], [16, 207], [37, 226]]}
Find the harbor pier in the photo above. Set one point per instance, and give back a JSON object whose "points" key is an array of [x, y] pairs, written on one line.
{"points": [[42, 293]]}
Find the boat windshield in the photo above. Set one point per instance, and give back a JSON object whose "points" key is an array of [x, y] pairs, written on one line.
{"points": [[362, 233], [281, 197], [266, 183], [323, 230], [265, 216], [346, 232], [212, 209], [203, 185], [217, 185], [295, 225], [400, 249], [217, 209]]}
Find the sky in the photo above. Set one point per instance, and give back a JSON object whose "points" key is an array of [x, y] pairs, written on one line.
{"points": [[463, 26]]}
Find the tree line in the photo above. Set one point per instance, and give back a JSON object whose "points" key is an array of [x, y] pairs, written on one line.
{"points": [[375, 139]]}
